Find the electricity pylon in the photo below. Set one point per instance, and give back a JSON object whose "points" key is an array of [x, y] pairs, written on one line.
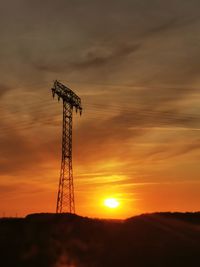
{"points": [[65, 198]]}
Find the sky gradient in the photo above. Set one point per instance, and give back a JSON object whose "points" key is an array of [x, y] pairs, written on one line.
{"points": [[135, 65]]}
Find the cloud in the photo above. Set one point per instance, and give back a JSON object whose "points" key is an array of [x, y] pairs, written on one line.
{"points": [[164, 152], [93, 58], [111, 138], [117, 54], [12, 188], [170, 24], [163, 27], [3, 90], [113, 40], [19, 153]]}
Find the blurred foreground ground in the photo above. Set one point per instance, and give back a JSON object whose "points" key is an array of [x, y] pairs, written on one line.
{"points": [[53, 240]]}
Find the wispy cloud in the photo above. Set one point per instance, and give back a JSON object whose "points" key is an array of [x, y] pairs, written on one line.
{"points": [[92, 58], [4, 89]]}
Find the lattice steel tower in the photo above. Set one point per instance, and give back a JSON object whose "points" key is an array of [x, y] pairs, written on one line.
{"points": [[65, 198]]}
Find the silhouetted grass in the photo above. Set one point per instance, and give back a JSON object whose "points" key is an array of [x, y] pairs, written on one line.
{"points": [[159, 239]]}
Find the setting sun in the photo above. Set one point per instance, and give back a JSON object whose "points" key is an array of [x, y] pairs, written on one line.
{"points": [[111, 203]]}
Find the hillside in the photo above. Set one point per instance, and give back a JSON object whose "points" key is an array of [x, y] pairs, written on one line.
{"points": [[160, 239]]}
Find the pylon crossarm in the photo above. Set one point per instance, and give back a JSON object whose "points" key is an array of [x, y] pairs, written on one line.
{"points": [[67, 95]]}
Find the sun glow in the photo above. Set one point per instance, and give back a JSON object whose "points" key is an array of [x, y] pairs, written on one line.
{"points": [[111, 203]]}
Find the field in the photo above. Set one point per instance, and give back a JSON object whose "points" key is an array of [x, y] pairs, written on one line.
{"points": [[159, 239]]}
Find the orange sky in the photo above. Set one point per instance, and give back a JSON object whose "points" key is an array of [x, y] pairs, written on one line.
{"points": [[136, 68]]}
